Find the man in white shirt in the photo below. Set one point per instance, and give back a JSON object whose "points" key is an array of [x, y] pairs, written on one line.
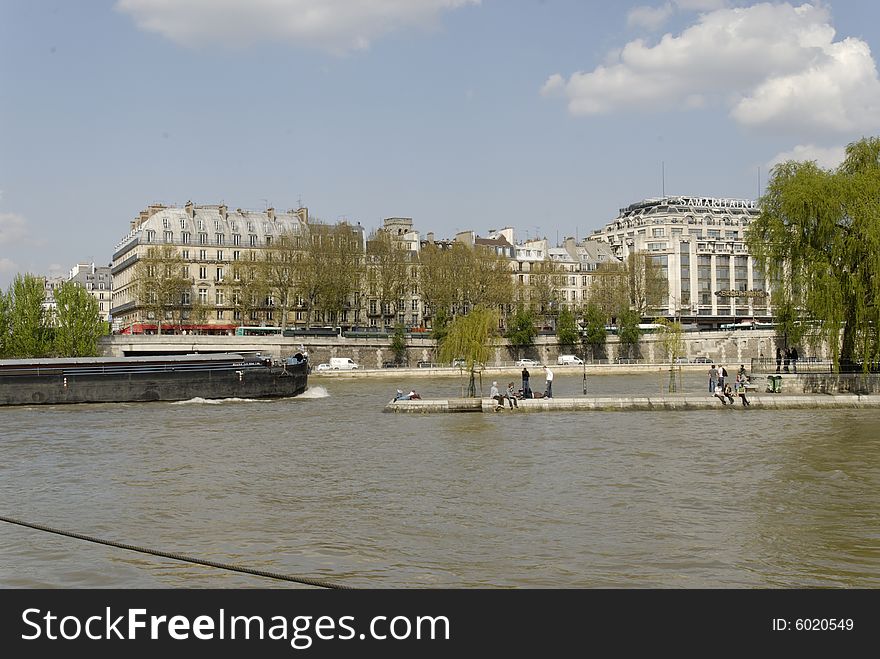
{"points": [[549, 375]]}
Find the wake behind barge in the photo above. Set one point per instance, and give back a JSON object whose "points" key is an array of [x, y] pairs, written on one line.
{"points": [[141, 379]]}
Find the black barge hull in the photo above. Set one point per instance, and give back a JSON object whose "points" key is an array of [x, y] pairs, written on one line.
{"points": [[129, 380]]}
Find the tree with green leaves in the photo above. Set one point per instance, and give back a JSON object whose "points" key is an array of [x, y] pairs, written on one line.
{"points": [[628, 332], [329, 269], [609, 290], [594, 335], [471, 338], [161, 283], [647, 286], [521, 330], [77, 322], [818, 240], [28, 325], [567, 332], [387, 270], [398, 343], [671, 338], [545, 279], [4, 322], [278, 272]]}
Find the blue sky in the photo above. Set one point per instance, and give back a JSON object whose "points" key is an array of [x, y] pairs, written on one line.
{"points": [[547, 116]]}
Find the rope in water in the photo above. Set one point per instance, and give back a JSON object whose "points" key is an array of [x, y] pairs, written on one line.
{"points": [[309, 581]]}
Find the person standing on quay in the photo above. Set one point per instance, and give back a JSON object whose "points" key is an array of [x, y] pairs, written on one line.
{"points": [[527, 393], [549, 392], [794, 358], [713, 379], [787, 358], [778, 359]]}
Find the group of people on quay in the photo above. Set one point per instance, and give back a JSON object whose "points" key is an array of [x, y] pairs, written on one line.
{"points": [[721, 388], [512, 395], [788, 356]]}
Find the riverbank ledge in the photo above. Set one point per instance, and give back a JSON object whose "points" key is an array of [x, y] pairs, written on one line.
{"points": [[634, 403]]}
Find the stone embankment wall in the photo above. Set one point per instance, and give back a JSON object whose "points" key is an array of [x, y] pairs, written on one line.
{"points": [[720, 347]]}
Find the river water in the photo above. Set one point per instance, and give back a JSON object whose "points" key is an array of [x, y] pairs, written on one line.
{"points": [[326, 485]]}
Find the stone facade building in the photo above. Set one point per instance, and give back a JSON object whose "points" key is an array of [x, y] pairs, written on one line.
{"points": [[98, 281], [698, 243], [213, 241]]}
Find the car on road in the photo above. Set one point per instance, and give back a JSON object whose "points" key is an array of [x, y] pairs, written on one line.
{"points": [[526, 362], [701, 360], [322, 367]]}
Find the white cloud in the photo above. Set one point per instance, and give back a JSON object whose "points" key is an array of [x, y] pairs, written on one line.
{"points": [[650, 18], [333, 25], [13, 228], [826, 157], [775, 66], [7, 266], [700, 5]]}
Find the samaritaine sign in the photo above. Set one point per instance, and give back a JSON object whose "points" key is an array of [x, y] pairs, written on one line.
{"points": [[752, 293]]}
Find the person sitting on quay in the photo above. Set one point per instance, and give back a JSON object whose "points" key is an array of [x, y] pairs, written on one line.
{"points": [[728, 392], [495, 395], [412, 395], [511, 396], [719, 394]]}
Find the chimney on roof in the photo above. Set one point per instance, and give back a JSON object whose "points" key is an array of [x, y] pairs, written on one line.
{"points": [[189, 209], [271, 213], [431, 237], [223, 211], [303, 214]]}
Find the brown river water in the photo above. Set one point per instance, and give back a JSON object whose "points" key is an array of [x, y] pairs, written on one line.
{"points": [[326, 485]]}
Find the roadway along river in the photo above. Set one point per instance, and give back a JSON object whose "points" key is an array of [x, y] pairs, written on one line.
{"points": [[328, 486]]}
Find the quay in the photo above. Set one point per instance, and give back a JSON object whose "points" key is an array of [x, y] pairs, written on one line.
{"points": [[671, 403]]}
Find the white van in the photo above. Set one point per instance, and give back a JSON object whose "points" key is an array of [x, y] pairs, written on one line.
{"points": [[568, 360], [342, 364]]}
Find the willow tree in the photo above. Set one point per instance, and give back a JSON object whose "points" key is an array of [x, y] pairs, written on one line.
{"points": [[77, 322], [671, 338], [818, 237], [470, 338]]}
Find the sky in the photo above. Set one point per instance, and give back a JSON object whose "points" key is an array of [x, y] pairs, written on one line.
{"points": [[544, 115]]}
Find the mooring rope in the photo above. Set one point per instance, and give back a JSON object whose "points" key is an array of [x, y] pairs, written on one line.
{"points": [[309, 581]]}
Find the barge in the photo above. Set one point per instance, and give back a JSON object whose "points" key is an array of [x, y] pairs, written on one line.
{"points": [[154, 378]]}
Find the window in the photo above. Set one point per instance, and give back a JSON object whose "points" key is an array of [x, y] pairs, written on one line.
{"points": [[186, 255], [203, 296], [216, 225], [201, 225], [236, 239], [203, 239], [219, 238], [151, 235], [221, 298], [164, 222], [219, 314], [253, 240], [657, 233], [185, 237], [219, 274], [203, 272], [236, 255], [415, 305], [268, 241], [219, 254], [169, 236], [185, 297], [182, 223]]}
